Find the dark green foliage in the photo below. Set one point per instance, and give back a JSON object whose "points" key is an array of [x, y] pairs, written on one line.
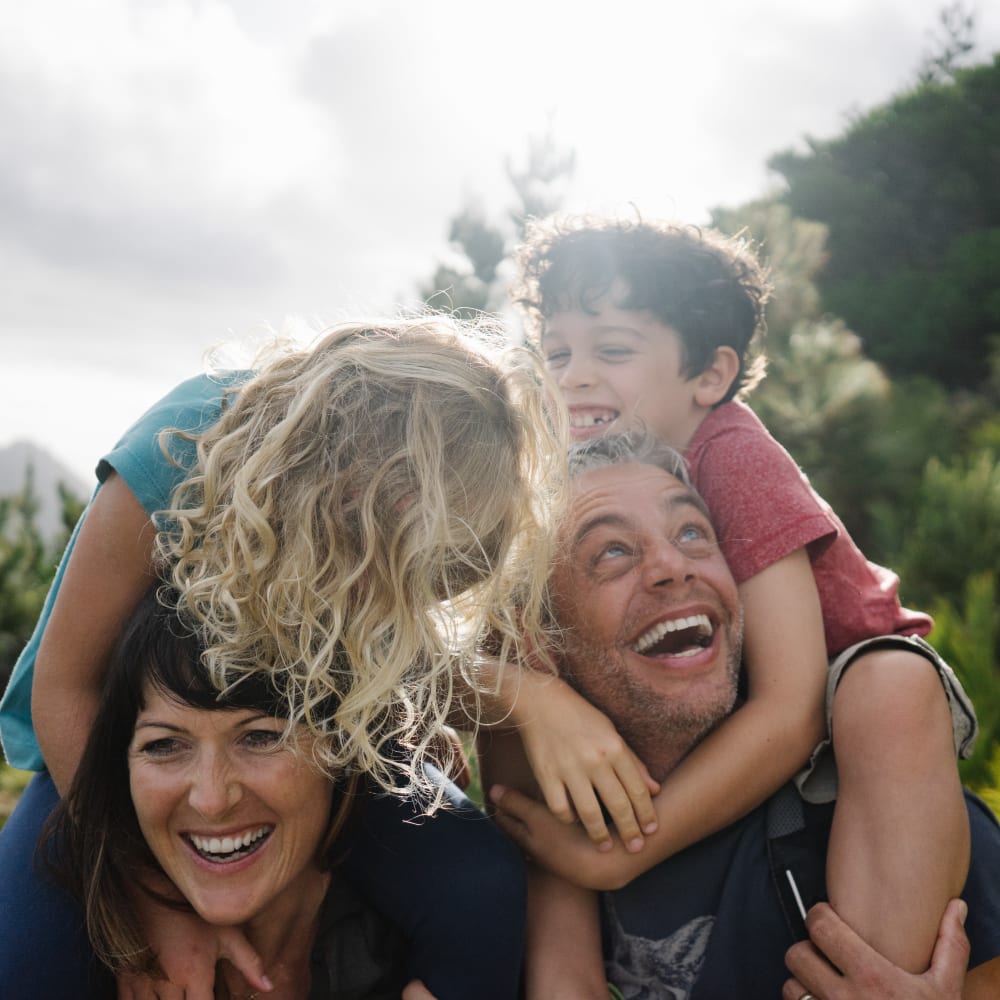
{"points": [[954, 530], [27, 565], [472, 282], [468, 290], [954, 41], [910, 197], [968, 636]]}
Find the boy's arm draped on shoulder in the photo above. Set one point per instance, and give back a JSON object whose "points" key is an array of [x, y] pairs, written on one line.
{"points": [[577, 758], [752, 753]]}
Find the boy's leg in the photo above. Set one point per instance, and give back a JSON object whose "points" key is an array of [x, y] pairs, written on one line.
{"points": [[899, 844], [455, 886], [44, 951]]}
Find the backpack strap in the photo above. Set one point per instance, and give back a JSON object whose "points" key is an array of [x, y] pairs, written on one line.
{"points": [[795, 847]]}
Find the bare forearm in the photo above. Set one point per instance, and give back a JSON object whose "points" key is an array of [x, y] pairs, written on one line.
{"points": [[563, 958], [108, 571], [751, 755]]}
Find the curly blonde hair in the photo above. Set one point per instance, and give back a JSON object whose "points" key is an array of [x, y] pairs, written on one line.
{"points": [[363, 515]]}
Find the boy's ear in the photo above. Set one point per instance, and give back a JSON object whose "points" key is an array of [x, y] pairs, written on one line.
{"points": [[715, 380]]}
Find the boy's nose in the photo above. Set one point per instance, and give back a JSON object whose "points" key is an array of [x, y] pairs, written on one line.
{"points": [[578, 374]]}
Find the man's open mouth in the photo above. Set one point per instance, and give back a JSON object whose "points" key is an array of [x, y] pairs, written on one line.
{"points": [[676, 637], [223, 849]]}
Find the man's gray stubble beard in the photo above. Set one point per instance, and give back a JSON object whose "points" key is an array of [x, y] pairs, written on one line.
{"points": [[659, 731]]}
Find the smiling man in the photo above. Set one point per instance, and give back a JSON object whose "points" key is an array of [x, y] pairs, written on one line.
{"points": [[653, 633]]}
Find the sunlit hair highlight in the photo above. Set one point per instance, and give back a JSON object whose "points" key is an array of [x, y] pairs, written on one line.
{"points": [[638, 447], [362, 515]]}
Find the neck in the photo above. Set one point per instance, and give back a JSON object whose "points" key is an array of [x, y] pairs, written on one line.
{"points": [[660, 759], [282, 934]]}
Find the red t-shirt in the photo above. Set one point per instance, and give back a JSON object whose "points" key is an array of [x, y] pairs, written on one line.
{"points": [[764, 509]]}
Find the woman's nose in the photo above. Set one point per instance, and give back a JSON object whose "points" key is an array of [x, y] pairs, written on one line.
{"points": [[215, 787]]}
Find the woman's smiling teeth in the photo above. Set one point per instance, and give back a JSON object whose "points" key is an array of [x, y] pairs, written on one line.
{"points": [[676, 637], [229, 848]]}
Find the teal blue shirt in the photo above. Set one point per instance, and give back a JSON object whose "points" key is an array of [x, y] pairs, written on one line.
{"points": [[192, 406]]}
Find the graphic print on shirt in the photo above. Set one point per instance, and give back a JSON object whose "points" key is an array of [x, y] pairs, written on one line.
{"points": [[661, 969]]}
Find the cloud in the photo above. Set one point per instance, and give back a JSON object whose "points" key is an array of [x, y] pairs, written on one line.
{"points": [[153, 139], [177, 172]]}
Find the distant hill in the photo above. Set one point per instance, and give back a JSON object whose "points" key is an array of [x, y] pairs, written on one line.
{"points": [[17, 458]]}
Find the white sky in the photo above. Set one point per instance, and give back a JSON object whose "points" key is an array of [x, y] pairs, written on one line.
{"points": [[177, 173]]}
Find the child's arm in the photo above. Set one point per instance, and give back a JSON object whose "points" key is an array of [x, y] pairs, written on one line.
{"points": [[107, 572], [562, 958], [752, 754], [577, 759]]}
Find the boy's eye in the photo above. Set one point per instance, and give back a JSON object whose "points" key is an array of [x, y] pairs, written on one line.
{"points": [[557, 359], [616, 353]]}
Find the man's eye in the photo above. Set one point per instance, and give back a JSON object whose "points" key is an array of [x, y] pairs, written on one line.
{"points": [[614, 551], [694, 538]]}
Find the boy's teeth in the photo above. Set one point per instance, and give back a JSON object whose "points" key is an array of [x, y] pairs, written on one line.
{"points": [[590, 420]]}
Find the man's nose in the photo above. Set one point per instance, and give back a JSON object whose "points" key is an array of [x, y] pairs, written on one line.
{"points": [[665, 564], [215, 787]]}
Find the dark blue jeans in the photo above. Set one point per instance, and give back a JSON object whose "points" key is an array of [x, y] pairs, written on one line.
{"points": [[452, 882]]}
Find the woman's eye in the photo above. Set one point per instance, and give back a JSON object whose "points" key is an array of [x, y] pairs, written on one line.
{"points": [[163, 747], [261, 739]]}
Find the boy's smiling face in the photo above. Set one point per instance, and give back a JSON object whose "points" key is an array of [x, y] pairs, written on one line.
{"points": [[618, 369]]}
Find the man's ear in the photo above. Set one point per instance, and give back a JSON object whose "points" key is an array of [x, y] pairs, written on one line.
{"points": [[715, 380]]}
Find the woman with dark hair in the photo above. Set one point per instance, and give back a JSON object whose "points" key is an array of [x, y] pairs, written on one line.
{"points": [[348, 520], [207, 802]]}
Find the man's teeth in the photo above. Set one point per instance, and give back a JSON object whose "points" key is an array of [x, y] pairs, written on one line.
{"points": [[658, 632], [227, 845]]}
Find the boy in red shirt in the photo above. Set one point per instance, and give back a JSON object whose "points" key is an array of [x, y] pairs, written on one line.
{"points": [[646, 324]]}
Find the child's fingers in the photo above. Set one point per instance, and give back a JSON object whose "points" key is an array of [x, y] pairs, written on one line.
{"points": [[620, 808], [234, 946], [640, 788], [554, 793], [588, 809]]}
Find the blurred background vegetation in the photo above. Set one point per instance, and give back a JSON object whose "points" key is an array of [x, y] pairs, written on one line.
{"points": [[883, 347]]}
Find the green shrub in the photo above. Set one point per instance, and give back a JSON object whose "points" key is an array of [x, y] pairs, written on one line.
{"points": [[968, 639]]}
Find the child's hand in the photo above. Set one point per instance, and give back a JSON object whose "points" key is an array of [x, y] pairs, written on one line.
{"points": [[563, 850], [188, 951], [416, 990], [580, 762]]}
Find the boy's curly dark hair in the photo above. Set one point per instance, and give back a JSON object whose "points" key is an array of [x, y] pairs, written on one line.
{"points": [[709, 288]]}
